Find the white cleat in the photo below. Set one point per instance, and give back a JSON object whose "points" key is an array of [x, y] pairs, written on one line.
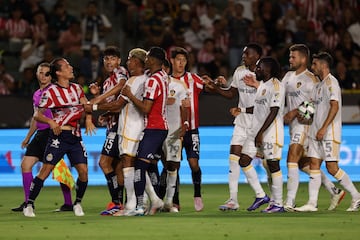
{"points": [[354, 207], [198, 204], [156, 206], [29, 211], [336, 199], [139, 211], [230, 205], [306, 208], [78, 211]]}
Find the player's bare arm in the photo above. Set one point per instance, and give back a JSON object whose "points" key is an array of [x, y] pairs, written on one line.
{"points": [[269, 119], [334, 108], [90, 127], [251, 81], [290, 116], [144, 105], [113, 92], [40, 117]]}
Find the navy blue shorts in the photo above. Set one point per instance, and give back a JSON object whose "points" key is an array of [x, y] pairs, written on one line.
{"points": [[191, 143], [111, 144], [65, 143], [37, 145], [150, 146]]}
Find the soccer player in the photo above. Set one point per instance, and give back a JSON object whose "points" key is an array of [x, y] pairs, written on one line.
{"points": [[267, 131], [36, 148], [299, 83], [153, 105], [325, 134], [191, 139], [131, 123], [177, 117], [243, 122], [65, 100], [118, 75]]}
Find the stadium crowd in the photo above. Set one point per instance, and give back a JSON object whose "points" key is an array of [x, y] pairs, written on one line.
{"points": [[214, 33]]}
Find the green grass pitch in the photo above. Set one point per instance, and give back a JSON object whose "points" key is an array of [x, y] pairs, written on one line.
{"points": [[188, 224]]}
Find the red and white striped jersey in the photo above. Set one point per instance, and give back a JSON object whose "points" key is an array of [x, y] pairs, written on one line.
{"points": [[64, 104], [156, 89], [115, 77], [195, 86], [17, 29]]}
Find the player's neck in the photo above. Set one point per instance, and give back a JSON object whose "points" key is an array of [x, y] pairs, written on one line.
{"points": [[300, 70], [63, 83], [178, 74]]}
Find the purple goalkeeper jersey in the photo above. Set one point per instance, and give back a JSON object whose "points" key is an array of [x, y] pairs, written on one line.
{"points": [[47, 113]]}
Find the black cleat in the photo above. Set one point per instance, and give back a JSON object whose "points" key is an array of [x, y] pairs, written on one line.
{"points": [[64, 208], [20, 208]]}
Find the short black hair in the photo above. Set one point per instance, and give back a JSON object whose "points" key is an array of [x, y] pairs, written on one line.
{"points": [[273, 64], [256, 47], [324, 56], [179, 50], [112, 51], [55, 66]]}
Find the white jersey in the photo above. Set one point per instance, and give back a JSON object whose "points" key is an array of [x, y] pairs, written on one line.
{"points": [[269, 94], [177, 92], [298, 88], [246, 96], [131, 120], [327, 90]]}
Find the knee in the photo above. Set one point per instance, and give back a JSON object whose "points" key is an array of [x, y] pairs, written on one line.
{"points": [[244, 161], [105, 165], [273, 166], [332, 169]]}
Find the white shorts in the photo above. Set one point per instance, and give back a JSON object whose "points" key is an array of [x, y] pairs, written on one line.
{"points": [[128, 146], [239, 136], [327, 150], [271, 150], [299, 134], [249, 147], [172, 148]]}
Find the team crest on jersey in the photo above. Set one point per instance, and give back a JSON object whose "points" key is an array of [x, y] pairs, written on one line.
{"points": [[298, 84], [55, 143], [49, 157], [172, 92], [263, 92]]}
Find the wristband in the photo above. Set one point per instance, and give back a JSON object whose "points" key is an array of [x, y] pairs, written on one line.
{"points": [[243, 110], [186, 123], [94, 107]]}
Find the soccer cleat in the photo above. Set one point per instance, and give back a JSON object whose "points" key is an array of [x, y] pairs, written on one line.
{"points": [[336, 199], [19, 208], [156, 206], [174, 209], [230, 205], [64, 208], [354, 207], [111, 209], [28, 211], [78, 211], [306, 208], [289, 208], [258, 202], [139, 211], [273, 209], [198, 204]]}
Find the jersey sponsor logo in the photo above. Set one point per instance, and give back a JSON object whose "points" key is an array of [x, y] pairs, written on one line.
{"points": [[247, 90], [294, 94]]}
